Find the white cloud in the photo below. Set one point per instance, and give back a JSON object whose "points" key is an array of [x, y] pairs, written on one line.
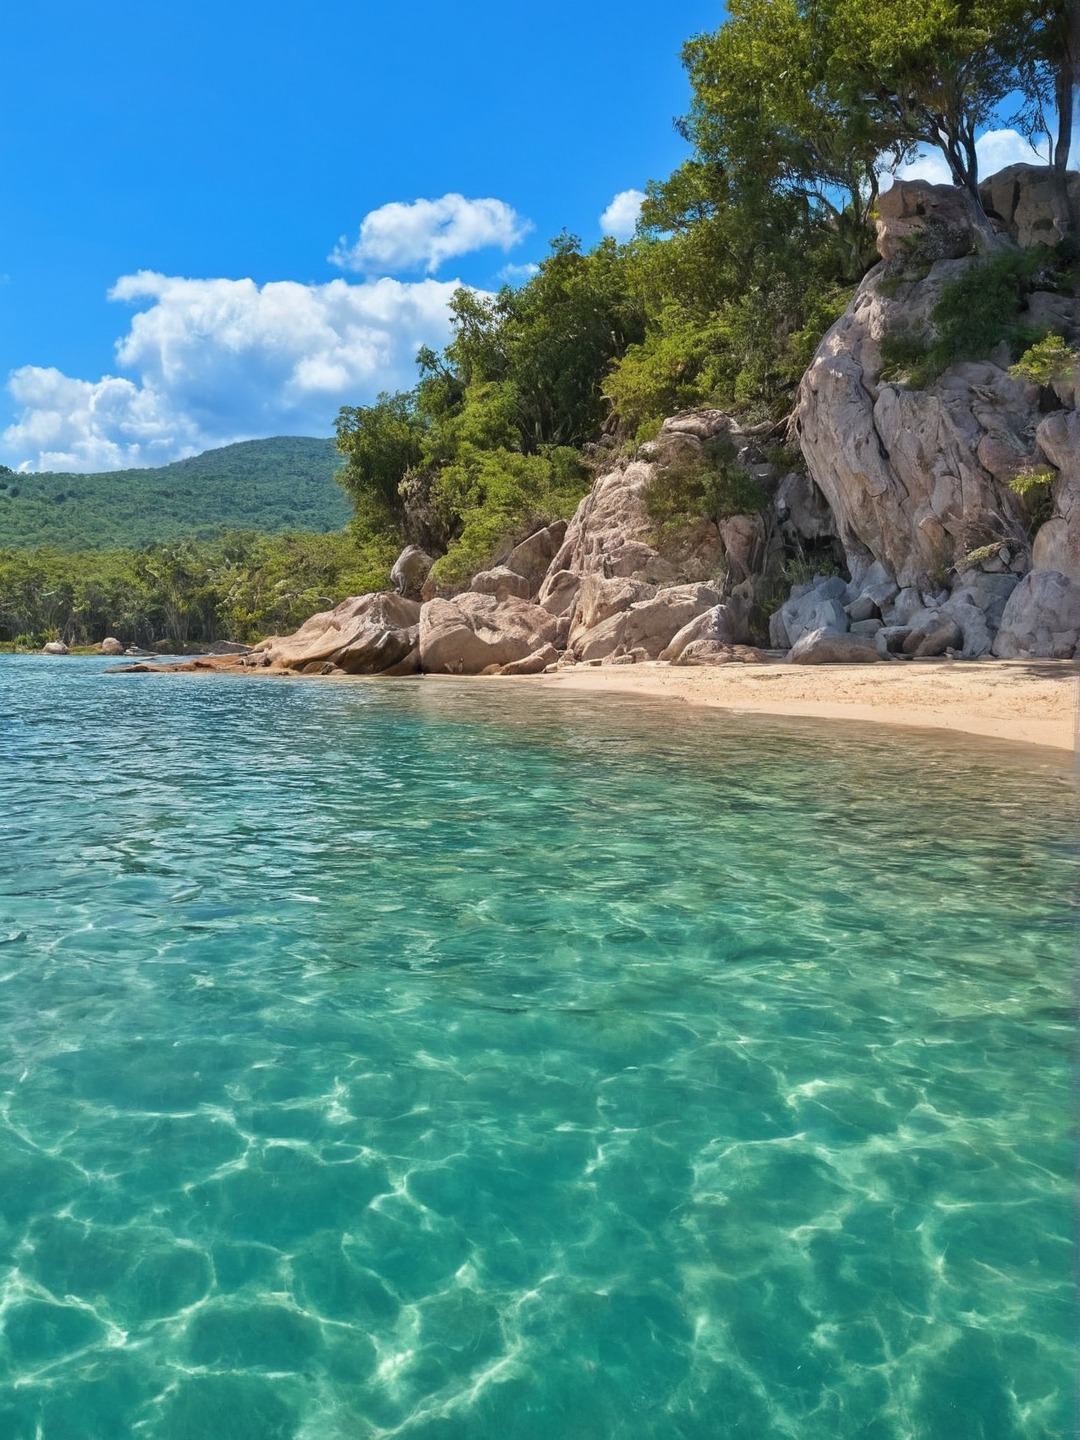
{"points": [[995, 149], [222, 360], [517, 274], [424, 233], [621, 216]]}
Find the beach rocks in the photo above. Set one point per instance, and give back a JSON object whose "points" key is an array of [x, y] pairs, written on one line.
{"points": [[721, 627], [649, 624], [540, 660], [825, 647], [55, 647], [1041, 618], [365, 635], [818, 605], [916, 477], [111, 646], [465, 634]]}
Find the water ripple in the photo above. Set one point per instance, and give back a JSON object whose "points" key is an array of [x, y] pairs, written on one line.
{"points": [[450, 1062]]}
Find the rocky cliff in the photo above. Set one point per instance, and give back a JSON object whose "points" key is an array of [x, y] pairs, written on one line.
{"points": [[909, 488]]}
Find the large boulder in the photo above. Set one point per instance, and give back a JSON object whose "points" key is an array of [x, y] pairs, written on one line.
{"points": [[1041, 619], [503, 583], [55, 647], [1057, 544], [1034, 204], [724, 625], [818, 605], [917, 479], [468, 633], [925, 222], [111, 646], [410, 570], [600, 597], [364, 635], [649, 625], [802, 509], [826, 647], [532, 558]]}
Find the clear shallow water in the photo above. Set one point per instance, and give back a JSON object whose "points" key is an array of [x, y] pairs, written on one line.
{"points": [[426, 1060]]}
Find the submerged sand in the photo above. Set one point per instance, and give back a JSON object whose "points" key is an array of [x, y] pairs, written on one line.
{"points": [[1029, 702]]}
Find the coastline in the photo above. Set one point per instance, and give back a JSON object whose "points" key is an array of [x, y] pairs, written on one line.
{"points": [[1025, 702], [1016, 702]]}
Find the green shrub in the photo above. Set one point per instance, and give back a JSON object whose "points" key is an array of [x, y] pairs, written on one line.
{"points": [[1048, 360], [494, 498], [977, 311], [711, 488]]}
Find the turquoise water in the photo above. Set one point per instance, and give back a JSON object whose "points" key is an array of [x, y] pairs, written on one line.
{"points": [[461, 1062]]}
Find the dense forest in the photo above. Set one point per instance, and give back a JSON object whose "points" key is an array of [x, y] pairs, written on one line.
{"points": [[743, 258], [286, 483]]}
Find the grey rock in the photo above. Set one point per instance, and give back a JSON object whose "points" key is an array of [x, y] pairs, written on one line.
{"points": [[889, 640], [802, 509], [1057, 544], [866, 627], [900, 467], [533, 556], [55, 647], [824, 647], [945, 635], [559, 592], [919, 222], [715, 652], [111, 646], [1041, 619], [864, 608]]}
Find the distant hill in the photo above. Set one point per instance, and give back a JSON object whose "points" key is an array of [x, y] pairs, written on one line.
{"points": [[270, 485]]}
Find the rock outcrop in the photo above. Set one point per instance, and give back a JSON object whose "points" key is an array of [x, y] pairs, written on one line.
{"points": [[364, 635], [467, 634], [1033, 204], [917, 480]]}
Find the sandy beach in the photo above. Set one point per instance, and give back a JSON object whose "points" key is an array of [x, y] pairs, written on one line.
{"points": [[1021, 701]]}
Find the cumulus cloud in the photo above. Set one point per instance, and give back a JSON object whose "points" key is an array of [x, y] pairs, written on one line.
{"points": [[995, 149], [517, 274], [422, 234], [221, 360], [621, 216]]}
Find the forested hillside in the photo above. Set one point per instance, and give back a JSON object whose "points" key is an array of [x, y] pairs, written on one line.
{"points": [[270, 486]]}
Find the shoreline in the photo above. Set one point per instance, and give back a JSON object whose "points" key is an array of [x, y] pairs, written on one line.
{"points": [[1016, 702], [1021, 702]]}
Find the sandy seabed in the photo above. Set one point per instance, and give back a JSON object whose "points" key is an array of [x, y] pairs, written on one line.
{"points": [[1020, 701]]}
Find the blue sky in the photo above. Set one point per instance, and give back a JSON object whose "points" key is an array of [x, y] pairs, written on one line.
{"points": [[210, 221]]}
